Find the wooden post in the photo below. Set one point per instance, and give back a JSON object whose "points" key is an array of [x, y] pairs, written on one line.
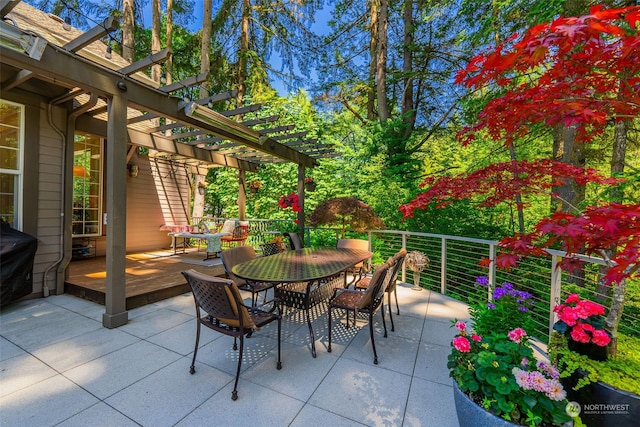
{"points": [[117, 136], [301, 196], [242, 195]]}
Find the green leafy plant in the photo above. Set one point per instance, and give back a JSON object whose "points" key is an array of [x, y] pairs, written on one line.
{"points": [[508, 309], [621, 371]]}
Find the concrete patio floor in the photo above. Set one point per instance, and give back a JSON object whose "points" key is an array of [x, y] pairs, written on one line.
{"points": [[59, 366]]}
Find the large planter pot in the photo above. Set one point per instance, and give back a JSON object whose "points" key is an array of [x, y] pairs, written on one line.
{"points": [[470, 414], [602, 404], [591, 350]]}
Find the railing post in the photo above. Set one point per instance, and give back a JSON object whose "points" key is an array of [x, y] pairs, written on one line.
{"points": [[492, 272], [404, 265], [555, 289], [443, 266]]}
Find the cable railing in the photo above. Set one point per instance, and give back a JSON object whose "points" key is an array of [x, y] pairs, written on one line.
{"points": [[455, 264]]}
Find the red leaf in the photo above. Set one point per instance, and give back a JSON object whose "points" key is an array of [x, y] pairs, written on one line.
{"points": [[506, 261]]}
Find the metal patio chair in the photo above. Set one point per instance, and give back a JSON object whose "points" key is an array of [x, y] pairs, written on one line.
{"points": [[358, 270], [367, 302], [237, 255], [363, 283], [294, 240], [219, 307]]}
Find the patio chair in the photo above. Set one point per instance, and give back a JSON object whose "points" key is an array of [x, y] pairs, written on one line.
{"points": [[219, 307], [240, 254], [367, 302], [294, 241], [271, 248], [358, 270], [391, 288], [237, 237]]}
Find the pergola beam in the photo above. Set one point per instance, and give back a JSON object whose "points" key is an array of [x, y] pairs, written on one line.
{"points": [[184, 84], [141, 118], [156, 58], [163, 144], [76, 71], [97, 32], [301, 142], [223, 96], [289, 136], [241, 110], [261, 120], [276, 129], [6, 6]]}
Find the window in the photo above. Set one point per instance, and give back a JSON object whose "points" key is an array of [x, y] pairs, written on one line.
{"points": [[11, 155], [87, 185]]}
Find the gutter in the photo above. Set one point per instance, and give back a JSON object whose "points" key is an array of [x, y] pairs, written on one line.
{"points": [[65, 257]]}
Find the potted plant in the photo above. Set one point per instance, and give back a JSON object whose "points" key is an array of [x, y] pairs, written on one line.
{"points": [[496, 376], [606, 389], [582, 323], [416, 261], [202, 187], [309, 184], [291, 201], [498, 382], [254, 186]]}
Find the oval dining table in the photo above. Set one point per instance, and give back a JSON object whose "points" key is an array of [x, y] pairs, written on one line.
{"points": [[305, 277]]}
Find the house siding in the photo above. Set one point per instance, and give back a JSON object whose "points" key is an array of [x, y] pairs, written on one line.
{"points": [[159, 195], [50, 208]]}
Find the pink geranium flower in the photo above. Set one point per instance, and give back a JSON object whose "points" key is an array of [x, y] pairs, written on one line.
{"points": [[461, 326], [578, 334], [572, 298], [517, 335], [580, 319], [601, 338], [461, 344]]}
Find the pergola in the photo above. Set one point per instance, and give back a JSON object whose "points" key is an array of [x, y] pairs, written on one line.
{"points": [[68, 68]]}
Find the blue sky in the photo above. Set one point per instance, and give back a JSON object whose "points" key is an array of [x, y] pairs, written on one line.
{"points": [[319, 27]]}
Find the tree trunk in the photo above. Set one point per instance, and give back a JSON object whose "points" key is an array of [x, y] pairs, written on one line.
{"points": [[169, 62], [569, 195], [244, 51], [615, 314], [381, 64], [373, 55], [156, 69], [128, 24], [567, 150], [408, 112], [618, 156], [519, 205], [205, 67]]}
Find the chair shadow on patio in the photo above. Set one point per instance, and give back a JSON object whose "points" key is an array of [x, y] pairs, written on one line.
{"points": [[138, 374]]}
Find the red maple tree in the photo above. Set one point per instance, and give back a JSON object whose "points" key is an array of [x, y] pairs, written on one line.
{"points": [[582, 72]]}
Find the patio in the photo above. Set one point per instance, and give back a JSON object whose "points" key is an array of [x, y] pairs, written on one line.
{"points": [[60, 366]]}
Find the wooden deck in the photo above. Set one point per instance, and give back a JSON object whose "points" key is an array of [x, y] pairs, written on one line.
{"points": [[150, 276]]}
